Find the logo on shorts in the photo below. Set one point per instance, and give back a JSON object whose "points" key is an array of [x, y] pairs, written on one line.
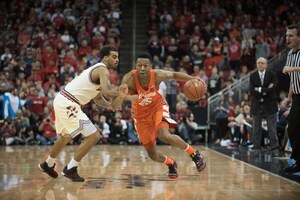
{"points": [[71, 111]]}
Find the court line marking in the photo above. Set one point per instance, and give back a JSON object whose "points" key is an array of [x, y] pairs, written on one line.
{"points": [[276, 175]]}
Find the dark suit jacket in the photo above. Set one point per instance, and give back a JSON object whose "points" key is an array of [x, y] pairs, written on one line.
{"points": [[264, 102]]}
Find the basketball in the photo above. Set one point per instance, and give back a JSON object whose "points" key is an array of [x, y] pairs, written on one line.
{"points": [[194, 89]]}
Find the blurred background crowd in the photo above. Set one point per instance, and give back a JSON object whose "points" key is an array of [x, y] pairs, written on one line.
{"points": [[44, 44]]}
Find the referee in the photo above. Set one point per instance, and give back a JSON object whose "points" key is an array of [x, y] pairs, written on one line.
{"points": [[292, 68]]}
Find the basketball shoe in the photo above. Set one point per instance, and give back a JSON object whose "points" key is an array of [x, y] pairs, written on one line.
{"points": [[173, 173], [197, 157], [72, 174], [48, 170]]}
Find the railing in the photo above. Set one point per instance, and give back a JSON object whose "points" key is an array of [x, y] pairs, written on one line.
{"points": [[238, 88]]}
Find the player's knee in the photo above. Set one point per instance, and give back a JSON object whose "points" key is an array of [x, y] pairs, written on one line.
{"points": [[152, 156], [166, 138]]}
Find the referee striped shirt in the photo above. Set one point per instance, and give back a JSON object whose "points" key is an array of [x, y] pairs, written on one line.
{"points": [[293, 60]]}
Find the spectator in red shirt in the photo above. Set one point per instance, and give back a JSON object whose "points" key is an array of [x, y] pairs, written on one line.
{"points": [[48, 133], [51, 68], [181, 111], [70, 58], [39, 69], [52, 81], [24, 38], [183, 41], [98, 40], [173, 49], [49, 55], [114, 77], [83, 35], [235, 53], [58, 18], [209, 64], [186, 64], [181, 23], [84, 50], [36, 103]]}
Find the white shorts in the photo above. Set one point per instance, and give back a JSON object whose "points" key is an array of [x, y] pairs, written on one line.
{"points": [[70, 120]]}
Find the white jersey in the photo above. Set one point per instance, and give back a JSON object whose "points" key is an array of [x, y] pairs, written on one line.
{"points": [[82, 87]]}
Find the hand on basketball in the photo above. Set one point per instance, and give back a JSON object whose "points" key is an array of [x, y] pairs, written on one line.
{"points": [[134, 98], [202, 81]]}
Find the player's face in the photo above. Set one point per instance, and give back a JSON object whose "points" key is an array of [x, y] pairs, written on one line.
{"points": [[143, 66], [113, 59], [292, 40]]}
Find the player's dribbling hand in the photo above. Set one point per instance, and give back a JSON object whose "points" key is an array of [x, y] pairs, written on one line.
{"points": [[134, 98], [203, 82], [123, 90]]}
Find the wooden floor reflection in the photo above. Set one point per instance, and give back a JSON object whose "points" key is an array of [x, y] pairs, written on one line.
{"points": [[125, 172]]}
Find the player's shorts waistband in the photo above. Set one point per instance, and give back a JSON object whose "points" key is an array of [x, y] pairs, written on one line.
{"points": [[69, 96]]}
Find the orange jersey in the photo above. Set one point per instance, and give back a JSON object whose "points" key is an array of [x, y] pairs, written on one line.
{"points": [[150, 110], [150, 100]]}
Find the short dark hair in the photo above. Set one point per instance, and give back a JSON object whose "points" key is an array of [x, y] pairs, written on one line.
{"points": [[144, 55], [295, 26], [105, 51]]}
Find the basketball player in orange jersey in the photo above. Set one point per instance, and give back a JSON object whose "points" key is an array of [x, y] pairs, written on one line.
{"points": [[151, 112]]}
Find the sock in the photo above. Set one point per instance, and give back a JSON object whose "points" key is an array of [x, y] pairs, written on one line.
{"points": [[50, 161], [190, 150], [168, 161], [72, 163]]}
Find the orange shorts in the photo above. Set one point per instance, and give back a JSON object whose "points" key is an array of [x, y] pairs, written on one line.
{"points": [[147, 132]]}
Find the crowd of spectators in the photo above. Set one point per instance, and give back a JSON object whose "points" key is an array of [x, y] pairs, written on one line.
{"points": [[218, 41], [45, 43]]}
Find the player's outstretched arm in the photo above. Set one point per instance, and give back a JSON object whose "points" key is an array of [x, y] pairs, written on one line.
{"points": [[100, 100], [162, 75], [105, 84], [123, 92]]}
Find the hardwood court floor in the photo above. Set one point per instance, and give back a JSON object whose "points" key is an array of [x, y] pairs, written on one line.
{"points": [[125, 172]]}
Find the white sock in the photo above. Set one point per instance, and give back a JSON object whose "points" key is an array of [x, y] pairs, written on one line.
{"points": [[50, 161], [72, 163]]}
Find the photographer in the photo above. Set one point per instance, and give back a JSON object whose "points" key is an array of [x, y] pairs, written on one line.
{"points": [[187, 129], [118, 130], [23, 128], [9, 133], [47, 130]]}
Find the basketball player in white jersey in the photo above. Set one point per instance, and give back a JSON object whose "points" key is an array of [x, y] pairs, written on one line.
{"points": [[70, 120]]}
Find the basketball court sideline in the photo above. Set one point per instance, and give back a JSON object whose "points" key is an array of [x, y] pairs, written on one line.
{"points": [[125, 172]]}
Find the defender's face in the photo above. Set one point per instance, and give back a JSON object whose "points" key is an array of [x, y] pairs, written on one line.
{"points": [[143, 66], [113, 59]]}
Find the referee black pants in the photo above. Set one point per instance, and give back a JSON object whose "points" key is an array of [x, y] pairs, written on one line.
{"points": [[294, 128]]}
